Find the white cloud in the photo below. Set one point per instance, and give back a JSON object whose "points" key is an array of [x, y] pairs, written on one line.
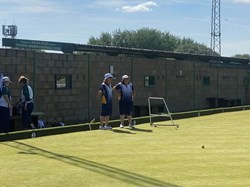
{"points": [[230, 48], [240, 25], [242, 1], [108, 4], [29, 6], [197, 19], [143, 7]]}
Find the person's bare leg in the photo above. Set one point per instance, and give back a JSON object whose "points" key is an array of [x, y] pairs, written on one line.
{"points": [[106, 120], [122, 119], [101, 120], [130, 119]]}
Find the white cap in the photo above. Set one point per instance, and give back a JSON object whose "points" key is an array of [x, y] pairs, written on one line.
{"points": [[125, 77], [108, 75], [6, 79]]}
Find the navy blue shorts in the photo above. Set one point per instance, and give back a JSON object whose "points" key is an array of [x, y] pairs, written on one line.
{"points": [[5, 119], [126, 107], [106, 109]]}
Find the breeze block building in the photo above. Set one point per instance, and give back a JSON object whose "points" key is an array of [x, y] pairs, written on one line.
{"points": [[65, 85]]}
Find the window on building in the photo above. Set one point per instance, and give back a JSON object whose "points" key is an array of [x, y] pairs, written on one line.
{"points": [[149, 81], [246, 81], [206, 81], [63, 82]]}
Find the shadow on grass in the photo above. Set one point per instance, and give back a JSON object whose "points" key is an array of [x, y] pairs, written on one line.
{"points": [[122, 131], [111, 172], [26, 153], [141, 130], [165, 125]]}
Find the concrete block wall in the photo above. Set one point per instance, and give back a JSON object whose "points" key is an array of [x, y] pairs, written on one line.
{"points": [[180, 82], [59, 104], [179, 85]]}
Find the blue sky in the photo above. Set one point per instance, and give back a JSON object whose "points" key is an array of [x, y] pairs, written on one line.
{"points": [[77, 20]]}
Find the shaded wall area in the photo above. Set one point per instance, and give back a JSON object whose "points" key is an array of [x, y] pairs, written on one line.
{"points": [[185, 84]]}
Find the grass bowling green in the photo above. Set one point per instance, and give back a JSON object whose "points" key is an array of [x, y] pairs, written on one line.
{"points": [[212, 150]]}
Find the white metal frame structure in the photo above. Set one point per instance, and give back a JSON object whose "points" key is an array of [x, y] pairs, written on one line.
{"points": [[168, 114], [90, 123]]}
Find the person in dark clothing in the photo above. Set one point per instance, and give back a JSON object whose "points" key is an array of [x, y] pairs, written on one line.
{"points": [[5, 105], [125, 93], [105, 91], [26, 101]]}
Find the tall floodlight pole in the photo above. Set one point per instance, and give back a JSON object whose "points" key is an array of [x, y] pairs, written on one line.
{"points": [[215, 27], [9, 30]]}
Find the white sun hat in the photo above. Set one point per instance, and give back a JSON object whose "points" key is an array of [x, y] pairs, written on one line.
{"points": [[125, 77], [6, 79], [108, 75]]}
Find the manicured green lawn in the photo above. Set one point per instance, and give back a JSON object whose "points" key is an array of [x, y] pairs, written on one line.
{"points": [[148, 156]]}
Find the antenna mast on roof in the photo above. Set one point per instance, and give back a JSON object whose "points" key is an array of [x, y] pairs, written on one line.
{"points": [[215, 27]]}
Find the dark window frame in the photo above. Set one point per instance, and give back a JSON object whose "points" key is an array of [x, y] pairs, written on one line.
{"points": [[63, 81], [206, 81], [150, 82]]}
